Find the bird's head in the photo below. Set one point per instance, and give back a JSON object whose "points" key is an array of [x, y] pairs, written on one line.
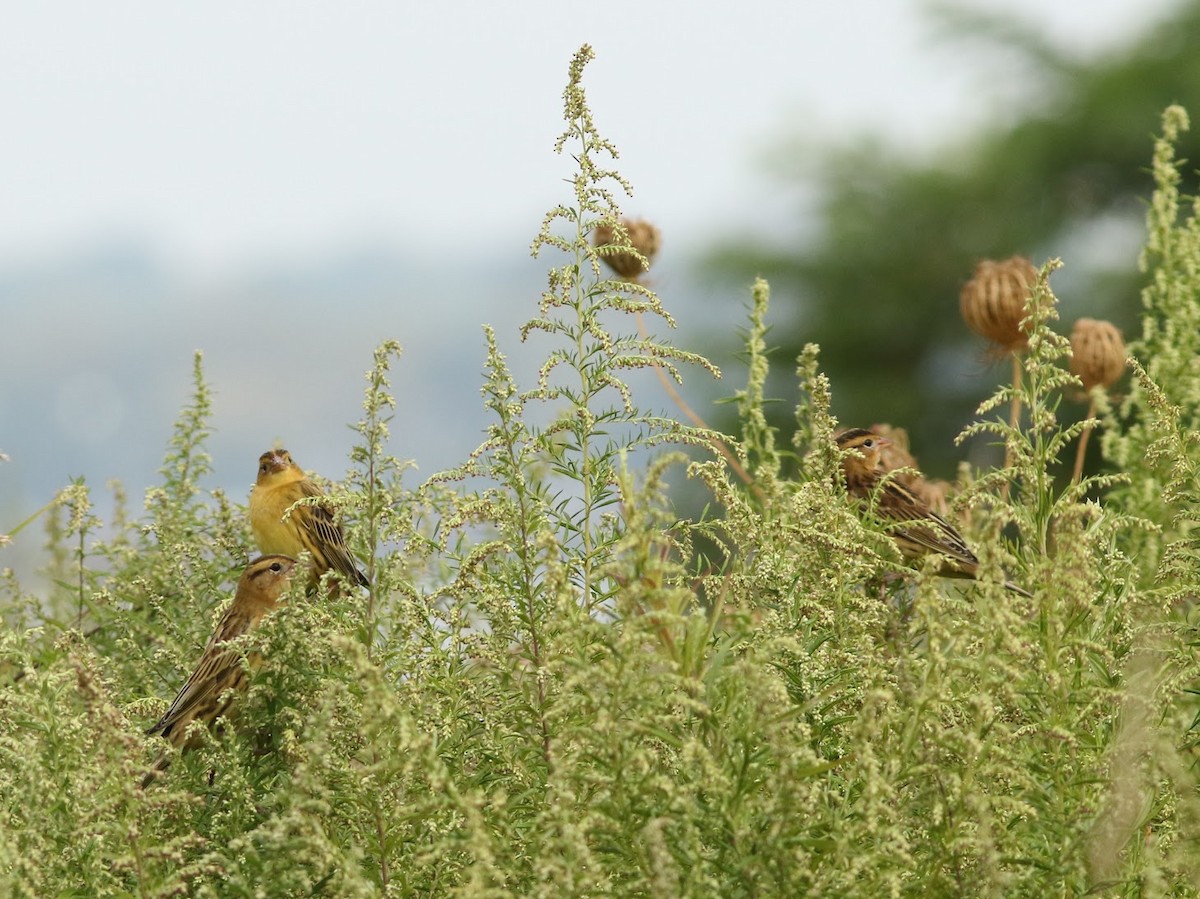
{"points": [[267, 576], [274, 461], [863, 452]]}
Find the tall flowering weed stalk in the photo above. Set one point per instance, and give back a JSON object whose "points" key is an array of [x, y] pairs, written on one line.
{"points": [[1151, 435]]}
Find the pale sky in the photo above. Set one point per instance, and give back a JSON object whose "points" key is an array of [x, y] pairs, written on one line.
{"points": [[223, 132]]}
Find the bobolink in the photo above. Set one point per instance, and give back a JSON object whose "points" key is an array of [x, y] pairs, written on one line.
{"points": [[220, 675], [928, 531], [310, 527]]}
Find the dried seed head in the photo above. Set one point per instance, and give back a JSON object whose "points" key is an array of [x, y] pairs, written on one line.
{"points": [[642, 235], [1097, 353], [993, 301], [897, 455]]}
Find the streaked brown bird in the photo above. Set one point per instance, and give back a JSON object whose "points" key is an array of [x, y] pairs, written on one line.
{"points": [[220, 675], [924, 531], [310, 527]]}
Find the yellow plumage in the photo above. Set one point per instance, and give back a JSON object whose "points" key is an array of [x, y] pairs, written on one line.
{"points": [[309, 528]]}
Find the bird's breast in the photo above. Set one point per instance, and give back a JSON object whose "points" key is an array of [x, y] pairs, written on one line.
{"points": [[271, 532]]}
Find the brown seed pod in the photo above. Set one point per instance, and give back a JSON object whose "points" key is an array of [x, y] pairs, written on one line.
{"points": [[897, 455], [1097, 353], [643, 236], [993, 301]]}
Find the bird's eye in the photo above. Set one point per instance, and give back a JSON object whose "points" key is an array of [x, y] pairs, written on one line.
{"points": [[275, 566], [869, 443]]}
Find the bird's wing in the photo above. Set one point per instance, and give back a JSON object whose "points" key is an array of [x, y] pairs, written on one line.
{"points": [[325, 534], [929, 531], [220, 667]]}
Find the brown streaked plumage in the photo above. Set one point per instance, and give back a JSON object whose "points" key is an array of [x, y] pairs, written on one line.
{"points": [[897, 456], [310, 528], [923, 531], [219, 676]]}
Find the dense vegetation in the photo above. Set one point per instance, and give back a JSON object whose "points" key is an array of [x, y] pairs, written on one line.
{"points": [[548, 691]]}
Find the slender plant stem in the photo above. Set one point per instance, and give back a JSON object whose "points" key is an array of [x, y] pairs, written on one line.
{"points": [[1014, 418], [79, 619], [381, 835], [1081, 451], [373, 542]]}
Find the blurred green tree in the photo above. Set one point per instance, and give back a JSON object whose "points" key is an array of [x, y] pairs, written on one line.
{"points": [[892, 236]]}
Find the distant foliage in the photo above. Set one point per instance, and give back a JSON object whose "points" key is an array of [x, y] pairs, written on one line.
{"points": [[1050, 162], [548, 690]]}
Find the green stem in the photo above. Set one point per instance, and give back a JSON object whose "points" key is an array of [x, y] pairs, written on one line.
{"points": [[80, 558], [1014, 418], [1081, 451]]}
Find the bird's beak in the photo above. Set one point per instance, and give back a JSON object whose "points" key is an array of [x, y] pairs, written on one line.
{"points": [[883, 441]]}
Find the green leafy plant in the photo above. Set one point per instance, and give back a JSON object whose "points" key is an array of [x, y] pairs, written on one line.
{"points": [[543, 693]]}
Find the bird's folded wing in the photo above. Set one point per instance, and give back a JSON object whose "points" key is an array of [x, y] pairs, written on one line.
{"points": [[927, 529], [323, 531], [220, 668]]}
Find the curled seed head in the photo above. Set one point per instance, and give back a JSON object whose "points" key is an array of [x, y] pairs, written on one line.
{"points": [[897, 455], [1097, 353], [993, 301], [644, 238]]}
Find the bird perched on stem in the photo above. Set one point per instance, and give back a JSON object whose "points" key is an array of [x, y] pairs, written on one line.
{"points": [[922, 530], [310, 527], [220, 675]]}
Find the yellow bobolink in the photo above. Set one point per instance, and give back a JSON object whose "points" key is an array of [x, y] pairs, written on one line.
{"points": [[309, 528], [926, 531], [220, 675]]}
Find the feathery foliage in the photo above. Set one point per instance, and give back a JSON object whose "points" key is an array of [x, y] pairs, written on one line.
{"points": [[543, 694]]}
